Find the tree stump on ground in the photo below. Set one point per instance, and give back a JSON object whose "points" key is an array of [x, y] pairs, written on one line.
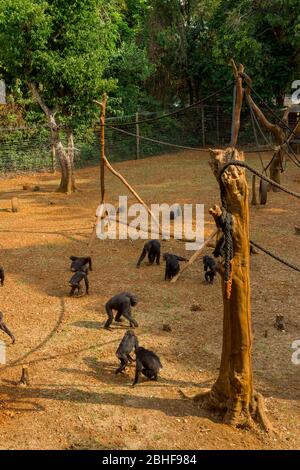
{"points": [[14, 204]]}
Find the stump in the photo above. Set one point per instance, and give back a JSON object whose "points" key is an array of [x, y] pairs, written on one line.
{"points": [[24, 381], [14, 204]]}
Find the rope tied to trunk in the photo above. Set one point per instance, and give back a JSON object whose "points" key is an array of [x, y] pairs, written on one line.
{"points": [[224, 248]]}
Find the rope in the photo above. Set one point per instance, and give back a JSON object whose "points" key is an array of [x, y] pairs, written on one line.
{"points": [[281, 260], [272, 112], [169, 144], [173, 113], [260, 175], [253, 120]]}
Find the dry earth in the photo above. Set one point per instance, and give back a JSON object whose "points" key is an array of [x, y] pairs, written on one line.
{"points": [[75, 400]]}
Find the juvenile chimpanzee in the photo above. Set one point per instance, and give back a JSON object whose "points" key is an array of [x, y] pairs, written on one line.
{"points": [[174, 214], [210, 268], [4, 328], [80, 262], [128, 343], [76, 279], [122, 303], [147, 363], [152, 247], [2, 276], [172, 265]]}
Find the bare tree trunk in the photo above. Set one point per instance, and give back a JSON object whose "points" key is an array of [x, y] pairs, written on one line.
{"points": [[233, 390], [67, 183]]}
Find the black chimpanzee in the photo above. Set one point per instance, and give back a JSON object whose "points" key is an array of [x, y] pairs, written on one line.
{"points": [[122, 303], [4, 328], [210, 268], [147, 363], [128, 343], [172, 265], [2, 276], [152, 247], [76, 279], [80, 262]]}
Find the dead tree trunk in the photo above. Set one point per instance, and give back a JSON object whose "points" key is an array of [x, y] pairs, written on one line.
{"points": [[67, 183], [233, 390]]}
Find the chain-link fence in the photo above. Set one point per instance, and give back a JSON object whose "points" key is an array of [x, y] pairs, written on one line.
{"points": [[129, 137]]}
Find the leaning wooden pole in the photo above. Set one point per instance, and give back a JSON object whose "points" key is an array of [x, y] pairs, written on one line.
{"points": [[237, 102], [195, 255]]}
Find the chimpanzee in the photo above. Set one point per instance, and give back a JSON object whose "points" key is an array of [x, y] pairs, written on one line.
{"points": [[152, 247], [4, 328], [122, 303], [76, 279], [147, 363], [210, 268], [128, 343], [172, 265], [2, 276], [79, 263], [174, 214]]}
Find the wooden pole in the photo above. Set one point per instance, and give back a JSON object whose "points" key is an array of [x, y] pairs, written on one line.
{"points": [[203, 125], [135, 194], [237, 102], [102, 140], [137, 131], [195, 256], [254, 195], [218, 124]]}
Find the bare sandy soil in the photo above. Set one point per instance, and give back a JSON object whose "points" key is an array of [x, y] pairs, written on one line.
{"points": [[75, 400]]}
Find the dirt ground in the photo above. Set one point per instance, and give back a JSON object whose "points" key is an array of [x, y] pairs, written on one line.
{"points": [[75, 400]]}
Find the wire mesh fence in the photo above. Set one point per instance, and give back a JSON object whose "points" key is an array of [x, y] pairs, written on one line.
{"points": [[140, 135]]}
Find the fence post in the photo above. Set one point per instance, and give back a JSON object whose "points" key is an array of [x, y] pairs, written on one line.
{"points": [[218, 124], [137, 156], [203, 124]]}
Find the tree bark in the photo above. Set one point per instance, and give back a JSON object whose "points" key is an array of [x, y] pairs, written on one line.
{"points": [[66, 160], [233, 390]]}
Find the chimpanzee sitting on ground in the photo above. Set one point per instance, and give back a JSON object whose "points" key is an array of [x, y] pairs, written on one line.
{"points": [[75, 282], [172, 265], [4, 328], [80, 262], [128, 343], [152, 247], [147, 363], [122, 303], [210, 268], [2, 276]]}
